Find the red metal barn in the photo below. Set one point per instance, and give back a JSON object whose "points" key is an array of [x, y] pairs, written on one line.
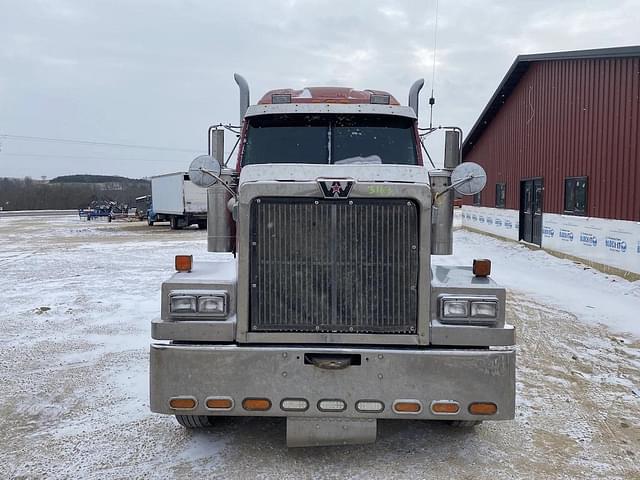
{"points": [[560, 141]]}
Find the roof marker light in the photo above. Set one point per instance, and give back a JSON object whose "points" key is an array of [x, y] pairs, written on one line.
{"points": [[281, 98], [379, 99]]}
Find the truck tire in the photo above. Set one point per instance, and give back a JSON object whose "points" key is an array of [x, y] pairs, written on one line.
{"points": [[195, 421], [202, 224], [464, 423], [175, 223], [149, 222]]}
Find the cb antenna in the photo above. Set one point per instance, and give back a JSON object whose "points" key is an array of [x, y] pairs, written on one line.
{"points": [[432, 99]]}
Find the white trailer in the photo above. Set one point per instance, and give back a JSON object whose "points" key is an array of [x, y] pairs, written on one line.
{"points": [[175, 199]]}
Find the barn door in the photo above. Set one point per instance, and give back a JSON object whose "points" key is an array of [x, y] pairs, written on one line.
{"points": [[531, 197]]}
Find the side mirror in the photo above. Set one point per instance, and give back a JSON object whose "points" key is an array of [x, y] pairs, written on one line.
{"points": [[468, 178], [204, 171]]}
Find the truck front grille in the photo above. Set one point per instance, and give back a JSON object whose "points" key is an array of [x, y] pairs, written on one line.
{"points": [[334, 265]]}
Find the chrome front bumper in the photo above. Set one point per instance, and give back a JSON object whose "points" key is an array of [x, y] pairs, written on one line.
{"points": [[384, 374]]}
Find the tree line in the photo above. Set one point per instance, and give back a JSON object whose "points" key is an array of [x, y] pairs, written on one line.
{"points": [[70, 192]]}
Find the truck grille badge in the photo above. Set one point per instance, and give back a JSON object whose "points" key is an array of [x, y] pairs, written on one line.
{"points": [[332, 188]]}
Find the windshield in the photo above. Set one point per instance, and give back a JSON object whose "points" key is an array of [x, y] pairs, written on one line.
{"points": [[319, 139]]}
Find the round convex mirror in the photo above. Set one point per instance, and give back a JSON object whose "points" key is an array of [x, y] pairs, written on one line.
{"points": [[468, 178], [200, 168]]}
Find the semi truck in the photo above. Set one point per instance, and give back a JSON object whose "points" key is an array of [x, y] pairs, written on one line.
{"points": [[321, 303], [175, 199]]}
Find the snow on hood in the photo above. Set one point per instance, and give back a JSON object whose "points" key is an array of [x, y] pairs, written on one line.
{"points": [[287, 172]]}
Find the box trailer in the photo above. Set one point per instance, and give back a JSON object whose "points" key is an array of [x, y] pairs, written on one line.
{"points": [[175, 199]]}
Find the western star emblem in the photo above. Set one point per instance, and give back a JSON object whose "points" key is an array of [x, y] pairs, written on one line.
{"points": [[335, 188]]}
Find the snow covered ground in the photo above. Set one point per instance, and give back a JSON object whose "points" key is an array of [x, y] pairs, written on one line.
{"points": [[77, 299]]}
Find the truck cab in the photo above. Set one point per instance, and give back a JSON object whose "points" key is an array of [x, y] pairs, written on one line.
{"points": [[320, 303]]}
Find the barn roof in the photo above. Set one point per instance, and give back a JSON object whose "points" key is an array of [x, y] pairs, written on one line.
{"points": [[519, 68]]}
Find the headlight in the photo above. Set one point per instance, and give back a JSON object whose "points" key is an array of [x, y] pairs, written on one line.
{"points": [[183, 304], [201, 304], [484, 309], [212, 304], [459, 310], [455, 308]]}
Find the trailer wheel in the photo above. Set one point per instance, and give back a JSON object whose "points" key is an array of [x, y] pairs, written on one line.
{"points": [[202, 224], [465, 423], [149, 222], [195, 421], [174, 223]]}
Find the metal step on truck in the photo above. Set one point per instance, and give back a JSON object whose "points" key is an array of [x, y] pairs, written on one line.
{"points": [[321, 303], [175, 199]]}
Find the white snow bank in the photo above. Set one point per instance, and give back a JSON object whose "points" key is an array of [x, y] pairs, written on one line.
{"points": [[588, 294]]}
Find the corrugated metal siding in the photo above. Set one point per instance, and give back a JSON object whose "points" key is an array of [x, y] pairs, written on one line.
{"points": [[569, 118]]}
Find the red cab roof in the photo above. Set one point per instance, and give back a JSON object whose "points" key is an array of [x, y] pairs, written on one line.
{"points": [[327, 95]]}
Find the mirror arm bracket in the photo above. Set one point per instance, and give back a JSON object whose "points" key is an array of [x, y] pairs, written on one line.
{"points": [[227, 187], [454, 185]]}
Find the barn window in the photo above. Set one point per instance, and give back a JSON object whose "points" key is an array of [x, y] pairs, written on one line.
{"points": [[476, 199], [501, 195], [575, 195]]}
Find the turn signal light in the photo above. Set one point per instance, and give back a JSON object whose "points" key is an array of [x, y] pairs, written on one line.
{"points": [[184, 263], [483, 408], [256, 404], [482, 267], [219, 403], [445, 407], [407, 406], [182, 403]]}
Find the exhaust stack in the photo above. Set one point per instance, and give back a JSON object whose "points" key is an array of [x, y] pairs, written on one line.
{"points": [[221, 228], [413, 94], [443, 196], [244, 94]]}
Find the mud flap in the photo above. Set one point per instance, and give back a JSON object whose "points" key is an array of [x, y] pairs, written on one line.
{"points": [[314, 432]]}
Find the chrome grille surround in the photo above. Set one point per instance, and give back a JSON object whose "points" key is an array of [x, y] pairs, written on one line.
{"points": [[301, 181], [334, 266]]}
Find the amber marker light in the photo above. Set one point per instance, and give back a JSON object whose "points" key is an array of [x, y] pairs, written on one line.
{"points": [[483, 408], [219, 403], [256, 404], [407, 406], [445, 407], [183, 403], [184, 263], [482, 267]]}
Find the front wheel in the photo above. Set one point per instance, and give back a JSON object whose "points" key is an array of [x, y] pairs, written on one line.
{"points": [[195, 421]]}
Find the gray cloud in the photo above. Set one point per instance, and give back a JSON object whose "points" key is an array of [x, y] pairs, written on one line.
{"points": [[159, 72]]}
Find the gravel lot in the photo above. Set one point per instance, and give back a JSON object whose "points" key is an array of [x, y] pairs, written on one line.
{"points": [[77, 301]]}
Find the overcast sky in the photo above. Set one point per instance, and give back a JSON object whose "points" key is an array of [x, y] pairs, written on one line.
{"points": [[157, 73]]}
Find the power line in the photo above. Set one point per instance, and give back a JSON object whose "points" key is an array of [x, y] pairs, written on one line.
{"points": [[84, 157], [30, 138]]}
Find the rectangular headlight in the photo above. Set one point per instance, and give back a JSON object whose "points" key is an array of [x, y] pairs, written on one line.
{"points": [[484, 309], [212, 304], [183, 304], [455, 308]]}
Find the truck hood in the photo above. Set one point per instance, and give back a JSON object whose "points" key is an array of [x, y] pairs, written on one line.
{"points": [[291, 172]]}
